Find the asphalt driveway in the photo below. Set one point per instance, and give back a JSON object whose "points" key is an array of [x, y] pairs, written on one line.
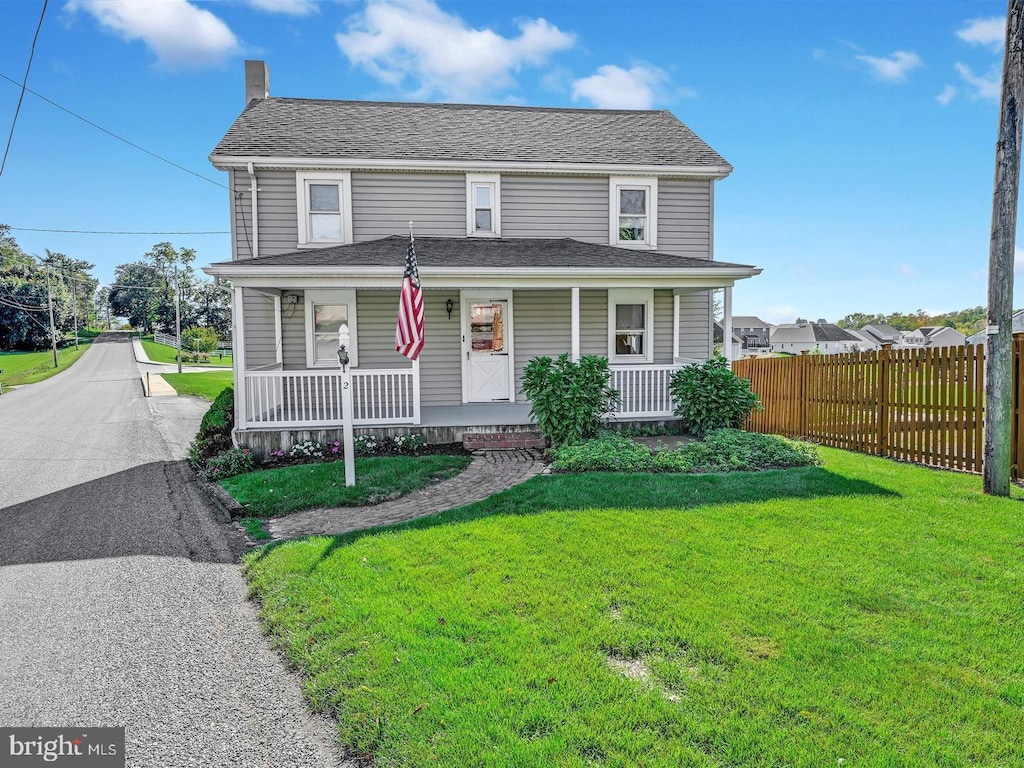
{"points": [[120, 600]]}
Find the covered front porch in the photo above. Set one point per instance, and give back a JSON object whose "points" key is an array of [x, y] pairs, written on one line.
{"points": [[649, 315]]}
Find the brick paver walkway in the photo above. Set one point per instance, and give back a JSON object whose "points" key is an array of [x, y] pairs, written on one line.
{"points": [[489, 472]]}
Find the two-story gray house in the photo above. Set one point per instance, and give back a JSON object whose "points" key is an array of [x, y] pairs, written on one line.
{"points": [[538, 231]]}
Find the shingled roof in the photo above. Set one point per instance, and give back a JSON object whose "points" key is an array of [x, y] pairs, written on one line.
{"points": [[318, 128], [478, 253]]}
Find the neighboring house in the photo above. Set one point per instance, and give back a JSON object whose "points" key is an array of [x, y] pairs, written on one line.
{"points": [[882, 334], [865, 342], [736, 350], [981, 337], [755, 333], [538, 232], [819, 338], [942, 336]]}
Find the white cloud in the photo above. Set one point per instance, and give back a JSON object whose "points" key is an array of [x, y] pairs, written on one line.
{"points": [[947, 95], [893, 68], [414, 40], [779, 313], [616, 88], [177, 32], [990, 32], [908, 271], [290, 7], [984, 86]]}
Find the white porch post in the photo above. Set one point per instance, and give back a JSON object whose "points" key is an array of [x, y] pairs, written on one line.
{"points": [[574, 312], [727, 323], [238, 356], [416, 391], [279, 340], [675, 327]]}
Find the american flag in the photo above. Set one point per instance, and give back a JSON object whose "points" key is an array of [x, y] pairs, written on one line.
{"points": [[409, 330]]}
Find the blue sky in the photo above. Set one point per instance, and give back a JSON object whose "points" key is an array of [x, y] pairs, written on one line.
{"points": [[862, 133]]}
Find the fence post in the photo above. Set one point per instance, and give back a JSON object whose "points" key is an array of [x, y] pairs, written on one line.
{"points": [[882, 414], [1016, 434], [800, 387]]}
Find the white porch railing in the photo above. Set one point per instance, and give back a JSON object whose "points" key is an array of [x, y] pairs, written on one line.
{"points": [[643, 390], [311, 398]]}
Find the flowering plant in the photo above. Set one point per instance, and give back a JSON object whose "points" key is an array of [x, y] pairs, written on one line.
{"points": [[307, 449], [234, 461]]}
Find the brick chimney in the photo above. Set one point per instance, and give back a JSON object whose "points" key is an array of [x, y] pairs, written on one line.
{"points": [[257, 80]]}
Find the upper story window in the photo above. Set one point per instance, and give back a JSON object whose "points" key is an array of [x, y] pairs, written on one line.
{"points": [[483, 205], [324, 207], [632, 213]]}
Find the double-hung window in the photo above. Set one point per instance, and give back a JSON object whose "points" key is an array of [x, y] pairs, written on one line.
{"points": [[483, 205], [632, 212], [324, 207], [326, 312], [630, 321]]}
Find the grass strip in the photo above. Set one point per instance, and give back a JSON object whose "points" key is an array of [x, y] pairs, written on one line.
{"points": [[270, 492], [206, 385], [865, 612], [29, 367]]}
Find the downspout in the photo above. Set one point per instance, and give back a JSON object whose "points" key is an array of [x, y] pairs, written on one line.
{"points": [[254, 190]]}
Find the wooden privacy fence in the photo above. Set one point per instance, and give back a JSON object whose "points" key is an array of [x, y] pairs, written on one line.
{"points": [[920, 405]]}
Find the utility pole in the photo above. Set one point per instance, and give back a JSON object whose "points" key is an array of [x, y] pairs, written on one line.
{"points": [[53, 329], [999, 352], [74, 305]]}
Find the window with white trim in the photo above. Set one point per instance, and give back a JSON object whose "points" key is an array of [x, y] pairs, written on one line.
{"points": [[483, 205], [324, 207], [632, 212], [326, 311], [630, 325]]}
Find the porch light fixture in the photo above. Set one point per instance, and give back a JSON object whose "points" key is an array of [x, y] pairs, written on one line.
{"points": [[449, 305], [344, 339]]}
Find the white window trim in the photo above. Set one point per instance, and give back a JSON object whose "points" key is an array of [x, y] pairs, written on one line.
{"points": [[646, 183], [344, 181], [631, 296], [481, 179], [332, 296]]}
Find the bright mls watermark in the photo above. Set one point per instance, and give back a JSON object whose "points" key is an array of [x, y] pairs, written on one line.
{"points": [[78, 747]]}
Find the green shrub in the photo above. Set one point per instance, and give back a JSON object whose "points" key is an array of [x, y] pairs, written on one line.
{"points": [[234, 461], [199, 338], [214, 434], [569, 400], [730, 450], [609, 452], [710, 396]]}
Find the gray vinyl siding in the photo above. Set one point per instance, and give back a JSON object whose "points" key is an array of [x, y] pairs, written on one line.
{"points": [[383, 204], [376, 312], [441, 359], [594, 322], [663, 304], [293, 333], [278, 216], [542, 325], [684, 217], [555, 206], [695, 325], [241, 214], [260, 334]]}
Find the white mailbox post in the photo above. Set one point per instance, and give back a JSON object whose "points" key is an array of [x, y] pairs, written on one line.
{"points": [[344, 341]]}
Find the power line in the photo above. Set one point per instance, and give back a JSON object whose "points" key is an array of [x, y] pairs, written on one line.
{"points": [[109, 232], [24, 82], [116, 136]]}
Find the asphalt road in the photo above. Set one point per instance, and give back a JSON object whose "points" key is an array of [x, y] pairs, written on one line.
{"points": [[120, 600]]}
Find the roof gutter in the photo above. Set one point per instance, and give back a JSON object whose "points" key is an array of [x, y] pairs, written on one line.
{"points": [[228, 162]]}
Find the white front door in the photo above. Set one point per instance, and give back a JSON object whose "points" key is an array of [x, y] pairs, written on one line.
{"points": [[487, 348]]}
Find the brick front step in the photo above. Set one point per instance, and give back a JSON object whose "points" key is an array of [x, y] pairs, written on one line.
{"points": [[502, 441]]}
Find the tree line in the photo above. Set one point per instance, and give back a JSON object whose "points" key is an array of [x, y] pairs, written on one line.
{"points": [[967, 321], [143, 293]]}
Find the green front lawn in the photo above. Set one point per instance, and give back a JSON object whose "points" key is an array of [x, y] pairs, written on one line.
{"points": [[863, 613], [282, 490], [206, 385], [30, 367], [161, 353]]}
